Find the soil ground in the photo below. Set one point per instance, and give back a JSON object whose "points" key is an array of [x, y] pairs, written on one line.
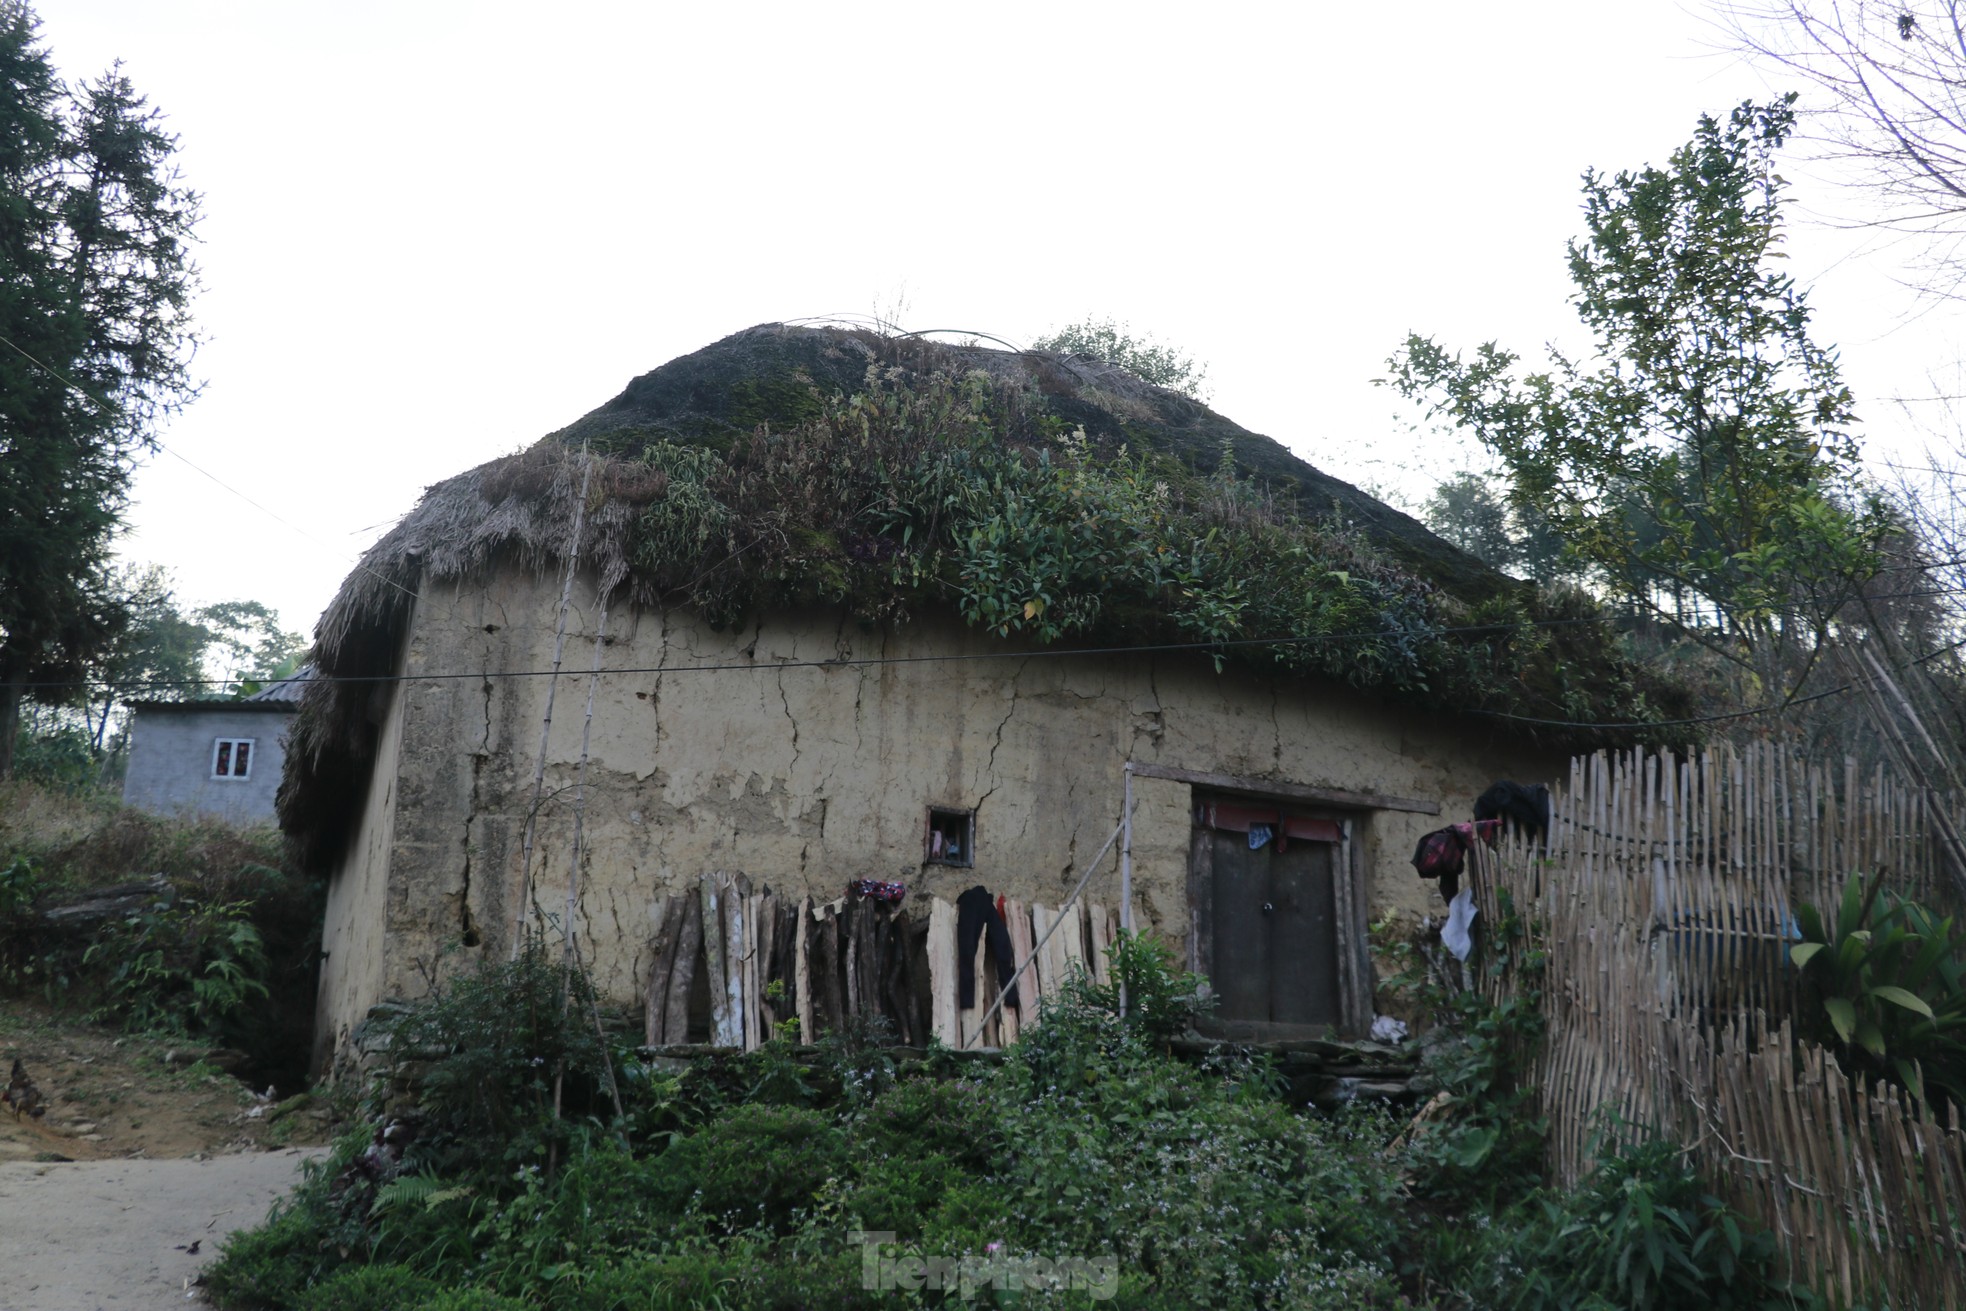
{"points": [[112, 1095], [144, 1149], [116, 1235]]}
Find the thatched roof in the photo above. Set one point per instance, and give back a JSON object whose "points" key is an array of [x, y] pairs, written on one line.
{"points": [[749, 398]]}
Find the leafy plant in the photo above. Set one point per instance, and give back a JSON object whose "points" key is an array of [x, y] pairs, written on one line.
{"points": [[1108, 341], [1490, 1147], [966, 491], [180, 965], [20, 886], [1640, 1233], [1887, 979], [489, 1045], [1147, 992], [370, 1288]]}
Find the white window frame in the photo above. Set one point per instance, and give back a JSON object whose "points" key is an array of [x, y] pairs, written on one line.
{"points": [[252, 757]]}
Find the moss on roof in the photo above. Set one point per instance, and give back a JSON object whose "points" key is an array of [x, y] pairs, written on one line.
{"points": [[1047, 499]]}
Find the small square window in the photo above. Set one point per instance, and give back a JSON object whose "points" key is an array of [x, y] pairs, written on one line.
{"points": [[232, 757], [951, 837]]}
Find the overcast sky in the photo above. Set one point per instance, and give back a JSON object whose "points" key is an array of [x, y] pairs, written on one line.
{"points": [[436, 231]]}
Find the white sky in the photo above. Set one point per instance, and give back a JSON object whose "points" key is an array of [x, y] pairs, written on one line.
{"points": [[436, 231]]}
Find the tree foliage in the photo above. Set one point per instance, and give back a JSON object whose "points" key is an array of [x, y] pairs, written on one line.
{"points": [[1700, 465], [161, 651], [1474, 513], [95, 348], [1109, 342]]}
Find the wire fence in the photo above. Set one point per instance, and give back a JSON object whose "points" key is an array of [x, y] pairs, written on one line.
{"points": [[1662, 910]]}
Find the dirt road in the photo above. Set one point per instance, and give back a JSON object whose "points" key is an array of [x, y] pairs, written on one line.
{"points": [[111, 1235]]}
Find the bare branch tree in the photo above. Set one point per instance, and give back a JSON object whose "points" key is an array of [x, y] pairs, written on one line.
{"points": [[1895, 76]]}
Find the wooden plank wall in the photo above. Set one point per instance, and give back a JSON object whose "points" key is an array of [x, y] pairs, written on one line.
{"points": [[766, 960], [1663, 905]]}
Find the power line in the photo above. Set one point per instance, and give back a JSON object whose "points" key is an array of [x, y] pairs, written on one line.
{"points": [[853, 662], [1772, 707], [111, 408], [843, 662]]}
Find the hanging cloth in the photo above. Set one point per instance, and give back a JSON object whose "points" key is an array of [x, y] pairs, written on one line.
{"points": [[1458, 932], [976, 916]]}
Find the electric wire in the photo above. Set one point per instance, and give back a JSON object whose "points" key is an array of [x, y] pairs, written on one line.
{"points": [[868, 661], [111, 408]]}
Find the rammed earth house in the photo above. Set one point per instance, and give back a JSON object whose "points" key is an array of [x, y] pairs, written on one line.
{"points": [[876, 608]]}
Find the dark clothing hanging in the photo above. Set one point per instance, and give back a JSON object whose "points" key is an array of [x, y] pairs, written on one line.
{"points": [[1525, 809], [976, 912]]}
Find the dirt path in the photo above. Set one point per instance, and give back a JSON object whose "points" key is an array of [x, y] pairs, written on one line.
{"points": [[114, 1235], [142, 1149]]}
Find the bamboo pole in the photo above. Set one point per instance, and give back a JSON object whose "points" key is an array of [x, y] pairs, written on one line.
{"points": [[523, 902], [1037, 947]]}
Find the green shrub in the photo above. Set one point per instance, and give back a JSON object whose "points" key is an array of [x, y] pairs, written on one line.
{"points": [[1204, 1192], [756, 1165], [1159, 1000], [61, 757], [179, 965], [1488, 1150], [952, 1120], [20, 888], [1639, 1233], [369, 1288], [897, 1194], [741, 1276], [471, 1299], [489, 1045], [268, 1268]]}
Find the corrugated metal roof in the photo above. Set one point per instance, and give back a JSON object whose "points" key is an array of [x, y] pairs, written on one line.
{"points": [[287, 689]]}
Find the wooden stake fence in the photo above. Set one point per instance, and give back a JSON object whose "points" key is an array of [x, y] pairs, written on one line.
{"points": [[1663, 904], [765, 959]]}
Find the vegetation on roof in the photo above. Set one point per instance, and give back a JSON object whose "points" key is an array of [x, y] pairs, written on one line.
{"points": [[966, 492], [950, 479]]}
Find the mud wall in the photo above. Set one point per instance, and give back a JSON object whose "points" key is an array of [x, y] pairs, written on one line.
{"points": [[742, 756]]}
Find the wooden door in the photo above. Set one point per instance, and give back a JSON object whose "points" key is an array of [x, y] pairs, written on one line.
{"points": [[1274, 922]]}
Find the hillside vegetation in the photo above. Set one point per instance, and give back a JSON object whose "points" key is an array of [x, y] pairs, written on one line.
{"points": [[177, 926]]}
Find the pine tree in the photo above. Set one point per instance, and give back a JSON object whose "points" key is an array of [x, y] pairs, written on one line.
{"points": [[95, 348]]}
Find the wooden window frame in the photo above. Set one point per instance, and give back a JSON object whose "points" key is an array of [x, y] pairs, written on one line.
{"points": [[968, 818]]}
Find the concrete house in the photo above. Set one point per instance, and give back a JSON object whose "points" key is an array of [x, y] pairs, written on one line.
{"points": [[221, 759], [869, 608]]}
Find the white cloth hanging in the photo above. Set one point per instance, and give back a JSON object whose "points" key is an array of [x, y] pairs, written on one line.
{"points": [[1457, 932]]}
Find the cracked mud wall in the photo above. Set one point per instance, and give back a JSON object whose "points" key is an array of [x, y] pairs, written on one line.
{"points": [[806, 777]]}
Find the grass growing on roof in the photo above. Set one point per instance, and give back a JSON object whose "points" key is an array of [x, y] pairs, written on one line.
{"points": [[964, 491]]}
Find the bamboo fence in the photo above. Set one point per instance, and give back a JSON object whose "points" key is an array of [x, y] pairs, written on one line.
{"points": [[1663, 906]]}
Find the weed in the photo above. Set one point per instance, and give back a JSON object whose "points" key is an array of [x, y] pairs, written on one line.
{"points": [[178, 966], [487, 1047]]}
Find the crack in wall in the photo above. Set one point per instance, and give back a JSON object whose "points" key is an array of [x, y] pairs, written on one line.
{"points": [[792, 719], [990, 767], [1159, 713], [655, 691], [1276, 723], [467, 929]]}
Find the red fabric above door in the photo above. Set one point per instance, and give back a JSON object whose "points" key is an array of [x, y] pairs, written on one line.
{"points": [[1235, 817]]}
